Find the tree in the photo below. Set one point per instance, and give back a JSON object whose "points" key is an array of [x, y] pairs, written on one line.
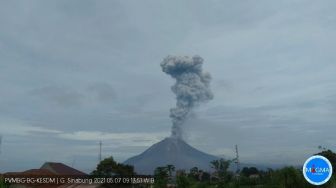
{"points": [[182, 181], [249, 171], [171, 169], [331, 156], [245, 172], [193, 173], [290, 177], [221, 167], [109, 167], [3, 184], [205, 177], [161, 175]]}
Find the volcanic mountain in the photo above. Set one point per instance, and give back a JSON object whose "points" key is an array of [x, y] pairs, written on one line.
{"points": [[172, 151]]}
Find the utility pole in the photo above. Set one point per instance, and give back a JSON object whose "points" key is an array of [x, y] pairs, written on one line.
{"points": [[237, 159], [100, 151], [73, 162], [0, 143]]}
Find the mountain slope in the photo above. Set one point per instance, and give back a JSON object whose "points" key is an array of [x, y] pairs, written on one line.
{"points": [[170, 151]]}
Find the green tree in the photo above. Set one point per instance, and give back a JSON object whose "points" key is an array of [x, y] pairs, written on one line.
{"points": [[205, 177], [161, 176], [182, 181], [249, 171], [221, 167], [3, 184], [331, 156], [290, 177], [109, 167], [171, 169], [193, 173]]}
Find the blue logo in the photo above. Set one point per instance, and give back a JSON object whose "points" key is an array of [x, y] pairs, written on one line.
{"points": [[317, 170]]}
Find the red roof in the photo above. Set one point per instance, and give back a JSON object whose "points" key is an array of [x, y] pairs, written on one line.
{"points": [[31, 172], [37, 172], [61, 169]]}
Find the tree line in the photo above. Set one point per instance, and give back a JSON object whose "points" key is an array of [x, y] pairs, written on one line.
{"points": [[220, 177]]}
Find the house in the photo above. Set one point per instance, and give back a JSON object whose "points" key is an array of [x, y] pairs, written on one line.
{"points": [[61, 169], [51, 169], [31, 172]]}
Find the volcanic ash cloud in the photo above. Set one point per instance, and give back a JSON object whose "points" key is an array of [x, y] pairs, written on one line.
{"points": [[192, 87]]}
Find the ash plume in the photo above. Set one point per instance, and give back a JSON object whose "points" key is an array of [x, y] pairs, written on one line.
{"points": [[192, 87]]}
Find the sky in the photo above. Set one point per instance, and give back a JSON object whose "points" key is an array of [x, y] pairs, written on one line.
{"points": [[73, 73]]}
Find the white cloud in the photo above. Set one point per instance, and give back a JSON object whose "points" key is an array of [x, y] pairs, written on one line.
{"points": [[119, 139], [21, 128]]}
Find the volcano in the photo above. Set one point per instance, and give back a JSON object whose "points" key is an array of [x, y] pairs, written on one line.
{"points": [[172, 151]]}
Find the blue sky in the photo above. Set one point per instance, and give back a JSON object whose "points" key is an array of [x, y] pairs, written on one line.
{"points": [[76, 72]]}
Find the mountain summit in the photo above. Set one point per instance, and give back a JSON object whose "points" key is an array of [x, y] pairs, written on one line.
{"points": [[173, 151]]}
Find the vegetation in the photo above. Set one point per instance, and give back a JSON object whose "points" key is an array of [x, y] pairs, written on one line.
{"points": [[161, 175], [248, 177], [331, 156], [183, 181], [2, 183], [109, 167]]}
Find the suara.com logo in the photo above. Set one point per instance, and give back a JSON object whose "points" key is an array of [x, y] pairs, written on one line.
{"points": [[317, 170]]}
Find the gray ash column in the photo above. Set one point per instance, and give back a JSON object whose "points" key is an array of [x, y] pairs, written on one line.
{"points": [[192, 87]]}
